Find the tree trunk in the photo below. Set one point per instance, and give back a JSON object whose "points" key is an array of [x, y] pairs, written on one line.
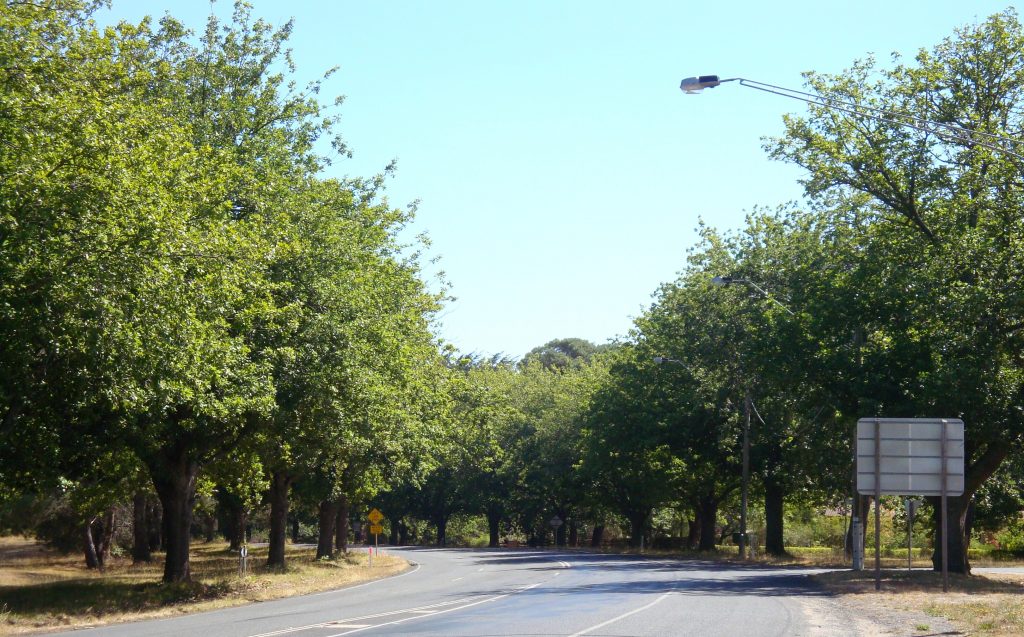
{"points": [[294, 519], [140, 529], [574, 533], [155, 521], [597, 537], [774, 499], [960, 511], [341, 525], [325, 536], [209, 526], [560, 534], [236, 521], [92, 560], [106, 538], [441, 523], [280, 483], [395, 524], [955, 528], [637, 527], [708, 519], [693, 532], [403, 533], [493, 529], [174, 476]]}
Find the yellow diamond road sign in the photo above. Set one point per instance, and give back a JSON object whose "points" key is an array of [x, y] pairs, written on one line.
{"points": [[375, 516]]}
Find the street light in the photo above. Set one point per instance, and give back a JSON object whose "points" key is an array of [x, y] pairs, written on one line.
{"points": [[942, 130], [698, 84], [725, 281], [998, 143], [661, 360]]}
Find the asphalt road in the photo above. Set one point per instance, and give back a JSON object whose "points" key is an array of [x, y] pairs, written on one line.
{"points": [[522, 592]]}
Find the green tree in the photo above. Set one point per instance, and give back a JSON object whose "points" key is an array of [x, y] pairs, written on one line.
{"points": [[563, 352], [942, 229], [627, 456]]}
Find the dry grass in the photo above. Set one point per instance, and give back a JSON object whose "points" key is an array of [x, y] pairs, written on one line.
{"points": [[989, 604], [41, 590]]}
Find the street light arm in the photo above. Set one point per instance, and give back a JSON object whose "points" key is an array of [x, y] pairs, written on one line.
{"points": [[661, 360], [990, 141], [728, 280], [939, 129], [765, 294]]}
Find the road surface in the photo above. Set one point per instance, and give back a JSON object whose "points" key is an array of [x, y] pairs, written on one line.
{"points": [[524, 592]]}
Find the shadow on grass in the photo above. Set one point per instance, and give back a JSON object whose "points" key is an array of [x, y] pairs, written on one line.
{"points": [[102, 596], [126, 588]]}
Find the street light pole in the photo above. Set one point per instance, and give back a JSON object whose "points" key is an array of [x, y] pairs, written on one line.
{"points": [[746, 476], [748, 405]]}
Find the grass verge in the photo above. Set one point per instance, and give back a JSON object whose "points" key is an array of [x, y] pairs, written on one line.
{"points": [[43, 591], [989, 604]]}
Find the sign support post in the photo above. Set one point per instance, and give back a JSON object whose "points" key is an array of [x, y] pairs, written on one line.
{"points": [[375, 517], [943, 524], [878, 505]]}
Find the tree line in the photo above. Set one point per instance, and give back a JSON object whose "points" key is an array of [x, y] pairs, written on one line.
{"points": [[191, 309]]}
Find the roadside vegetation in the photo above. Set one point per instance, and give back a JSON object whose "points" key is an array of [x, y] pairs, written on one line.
{"points": [[205, 335]]}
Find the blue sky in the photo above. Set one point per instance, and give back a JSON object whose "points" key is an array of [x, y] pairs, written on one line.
{"points": [[560, 171]]}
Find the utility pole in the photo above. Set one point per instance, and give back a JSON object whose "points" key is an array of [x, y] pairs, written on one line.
{"points": [[746, 476]]}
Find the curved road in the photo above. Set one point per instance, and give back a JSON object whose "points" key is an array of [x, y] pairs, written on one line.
{"points": [[520, 592]]}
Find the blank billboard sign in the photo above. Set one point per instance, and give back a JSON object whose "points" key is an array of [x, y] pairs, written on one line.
{"points": [[913, 455]]}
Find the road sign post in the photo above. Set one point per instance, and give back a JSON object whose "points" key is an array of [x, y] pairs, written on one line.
{"points": [[375, 517], [243, 555], [555, 522], [911, 456]]}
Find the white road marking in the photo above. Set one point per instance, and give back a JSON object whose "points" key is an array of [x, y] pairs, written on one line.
{"points": [[620, 617], [457, 579], [447, 610], [342, 623], [416, 613]]}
